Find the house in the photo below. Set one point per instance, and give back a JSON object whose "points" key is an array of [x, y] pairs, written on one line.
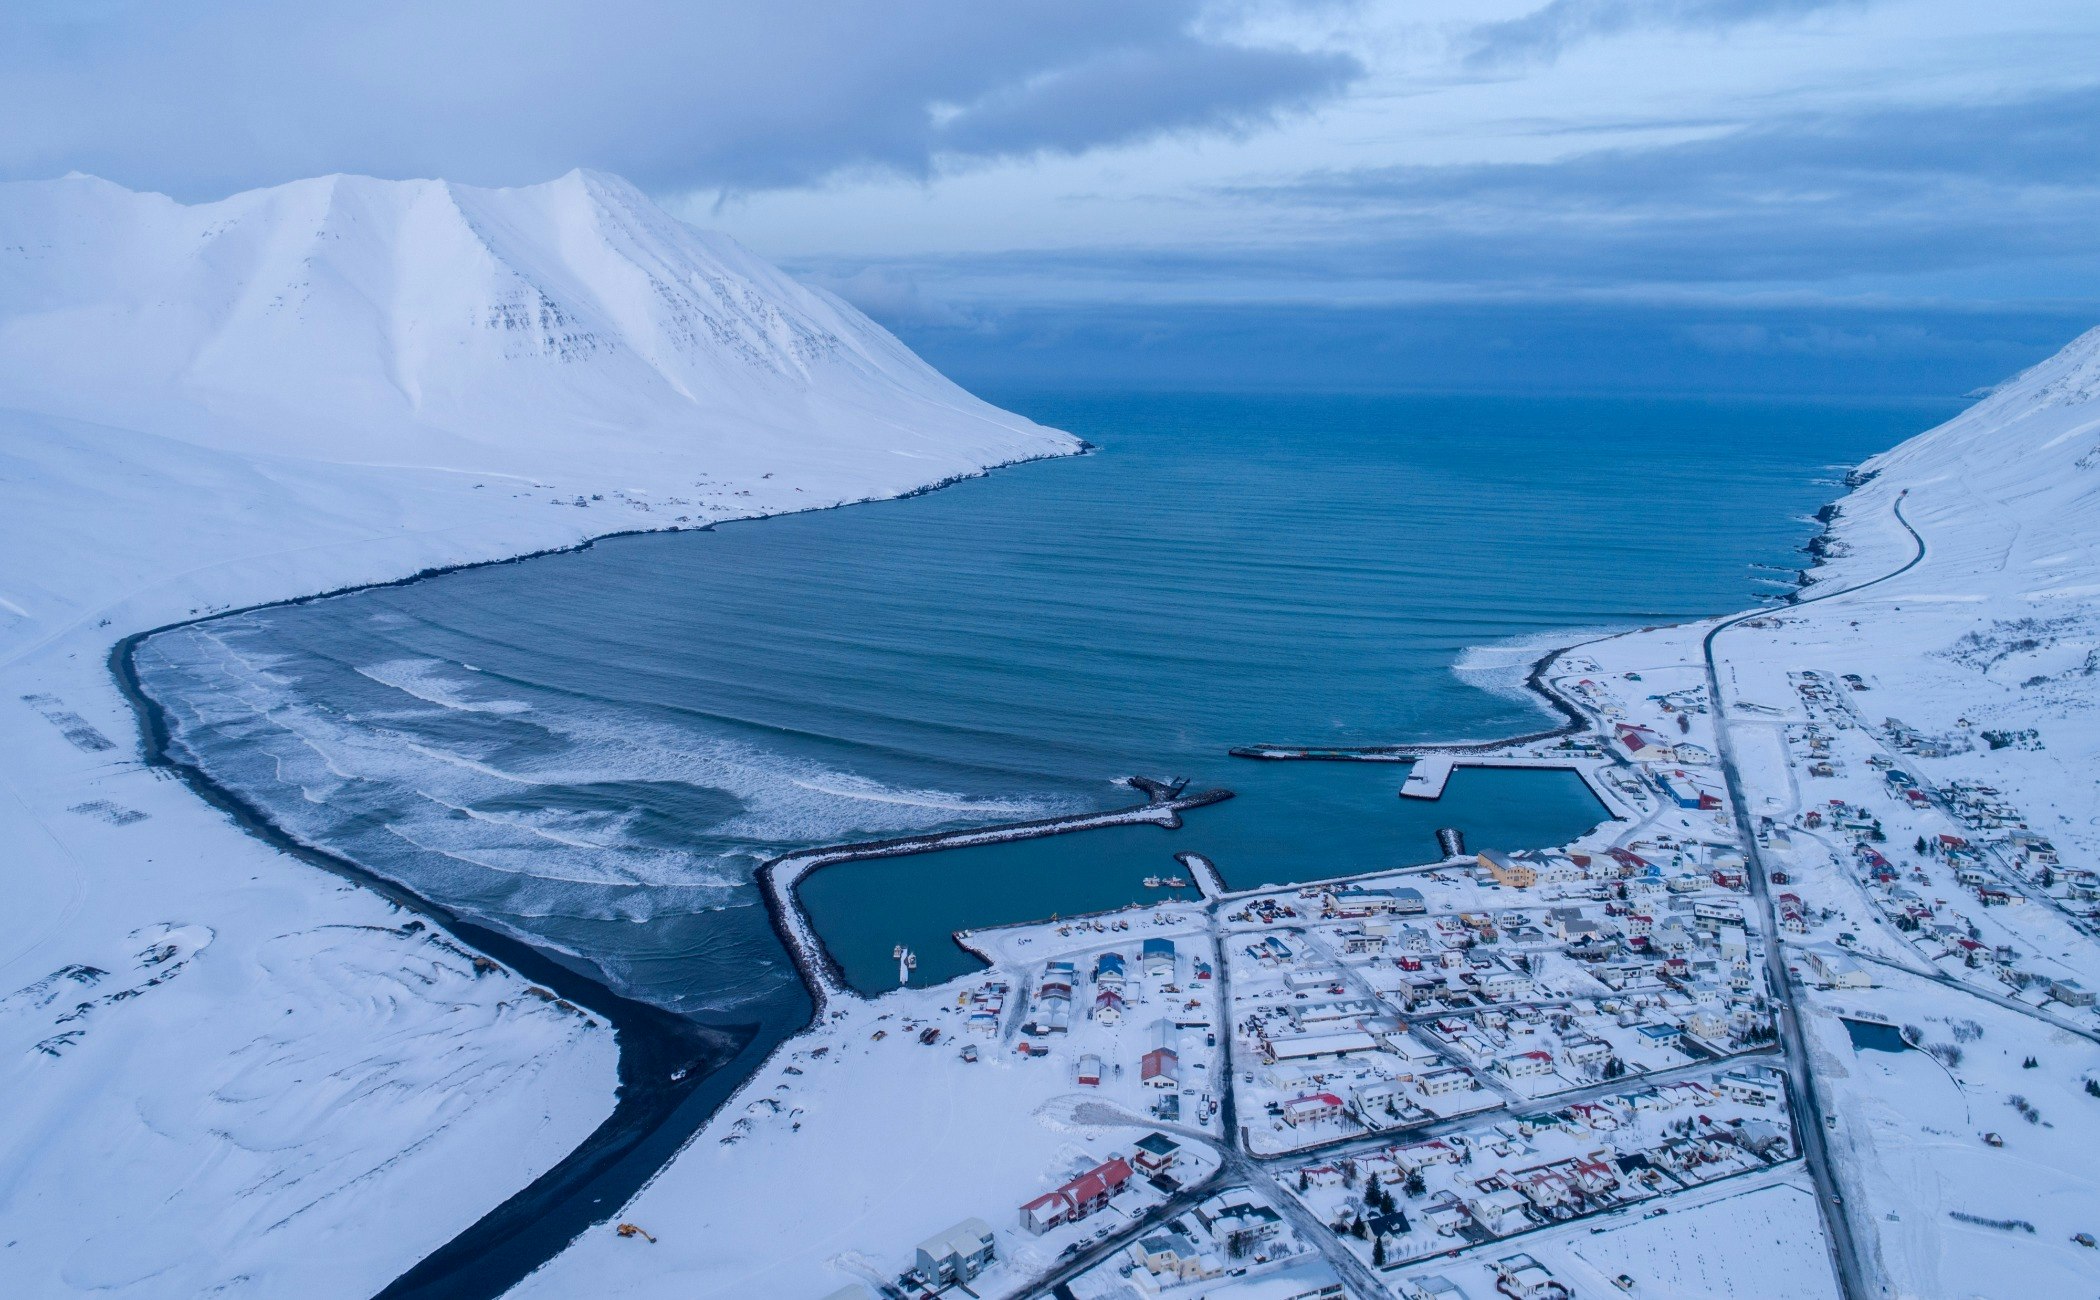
{"points": [[1367, 940], [1672, 936], [1718, 912], [1585, 1050], [957, 1255], [1108, 1006], [1507, 871], [1108, 969], [1379, 1095], [1505, 984], [1435, 1083], [1156, 1153], [1521, 1277], [1085, 1194], [1836, 971], [1763, 1139], [1160, 1068], [1421, 1155], [1545, 1187], [1088, 1072], [1158, 957], [1630, 864], [1234, 1221], [1518, 1065], [2071, 993], [1592, 1174], [1175, 1257], [1311, 1108], [1501, 1211]]}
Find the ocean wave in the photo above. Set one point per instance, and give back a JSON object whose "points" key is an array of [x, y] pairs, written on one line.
{"points": [[425, 680]]}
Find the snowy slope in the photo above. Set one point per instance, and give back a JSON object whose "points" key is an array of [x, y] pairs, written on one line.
{"points": [[569, 330], [2002, 617], [228, 1073]]}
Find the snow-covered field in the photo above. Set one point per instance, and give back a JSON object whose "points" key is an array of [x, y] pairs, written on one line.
{"points": [[228, 1072]]}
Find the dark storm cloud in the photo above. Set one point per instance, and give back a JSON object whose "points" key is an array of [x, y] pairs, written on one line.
{"points": [[199, 99], [1545, 33]]}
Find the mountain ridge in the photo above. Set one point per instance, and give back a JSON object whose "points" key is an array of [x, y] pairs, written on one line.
{"points": [[555, 329]]}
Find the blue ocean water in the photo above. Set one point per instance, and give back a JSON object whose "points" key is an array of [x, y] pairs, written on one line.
{"points": [[593, 750]]}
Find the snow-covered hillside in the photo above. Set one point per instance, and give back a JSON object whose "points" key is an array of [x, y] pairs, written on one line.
{"points": [[2003, 613], [568, 330], [228, 1073]]}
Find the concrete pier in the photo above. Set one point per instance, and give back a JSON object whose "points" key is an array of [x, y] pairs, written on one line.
{"points": [[1209, 880], [1431, 773]]}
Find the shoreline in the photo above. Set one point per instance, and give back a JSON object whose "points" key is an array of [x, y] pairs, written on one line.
{"points": [[665, 1060], [649, 1037], [1574, 722]]}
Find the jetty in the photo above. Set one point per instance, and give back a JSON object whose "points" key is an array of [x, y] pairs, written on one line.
{"points": [[779, 878], [1427, 779], [1210, 882]]}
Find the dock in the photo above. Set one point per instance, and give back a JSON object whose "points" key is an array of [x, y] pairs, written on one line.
{"points": [[1210, 882], [1427, 779]]}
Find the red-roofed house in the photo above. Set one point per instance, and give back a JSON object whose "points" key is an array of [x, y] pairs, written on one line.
{"points": [[1160, 1068], [1085, 1194]]}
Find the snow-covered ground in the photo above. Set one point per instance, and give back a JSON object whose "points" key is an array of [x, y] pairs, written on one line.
{"points": [[858, 1140], [234, 1074], [228, 1072]]}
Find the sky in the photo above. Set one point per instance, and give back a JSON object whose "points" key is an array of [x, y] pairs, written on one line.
{"points": [[1786, 197]]}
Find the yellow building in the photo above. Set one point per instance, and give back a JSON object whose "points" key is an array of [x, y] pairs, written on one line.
{"points": [[1506, 870]]}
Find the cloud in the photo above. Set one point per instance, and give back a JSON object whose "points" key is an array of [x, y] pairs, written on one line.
{"points": [[1805, 197], [675, 94], [1542, 35]]}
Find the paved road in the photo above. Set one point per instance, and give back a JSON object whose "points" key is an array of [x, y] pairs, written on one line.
{"points": [[1845, 1254]]}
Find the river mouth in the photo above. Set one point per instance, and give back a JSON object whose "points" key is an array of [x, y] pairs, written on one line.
{"points": [[594, 751]]}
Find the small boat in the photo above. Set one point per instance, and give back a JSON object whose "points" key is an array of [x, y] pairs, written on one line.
{"points": [[1154, 882]]}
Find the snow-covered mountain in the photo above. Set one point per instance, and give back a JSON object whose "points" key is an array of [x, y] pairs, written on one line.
{"points": [[336, 382], [553, 331]]}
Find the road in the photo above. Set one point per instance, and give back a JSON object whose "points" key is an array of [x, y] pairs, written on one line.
{"points": [[1234, 1169], [1844, 1249], [1237, 1168]]}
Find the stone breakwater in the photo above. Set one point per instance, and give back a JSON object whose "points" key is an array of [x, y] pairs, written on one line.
{"points": [[779, 878]]}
